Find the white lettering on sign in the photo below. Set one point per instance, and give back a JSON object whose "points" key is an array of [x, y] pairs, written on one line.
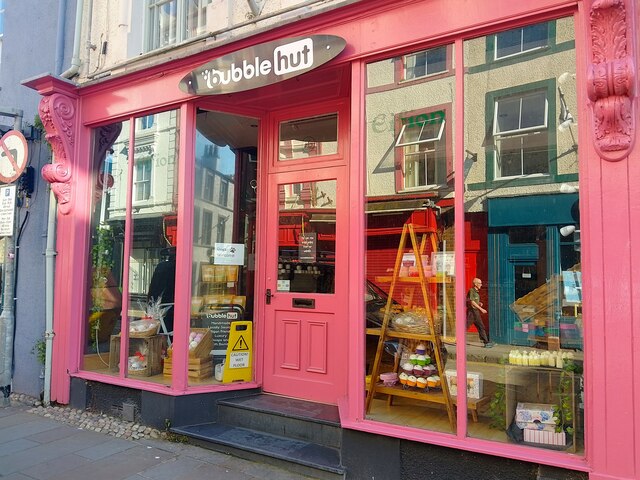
{"points": [[286, 59], [262, 64], [238, 360], [293, 56]]}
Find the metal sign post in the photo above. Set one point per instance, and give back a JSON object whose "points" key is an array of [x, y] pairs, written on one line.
{"points": [[13, 159]]}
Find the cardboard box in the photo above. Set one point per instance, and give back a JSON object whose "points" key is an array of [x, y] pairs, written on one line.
{"points": [[474, 383], [545, 438], [535, 416]]}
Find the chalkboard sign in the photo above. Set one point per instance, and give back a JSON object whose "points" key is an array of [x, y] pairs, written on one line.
{"points": [[307, 247], [218, 319]]}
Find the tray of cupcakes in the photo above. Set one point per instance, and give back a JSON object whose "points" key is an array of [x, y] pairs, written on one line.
{"points": [[418, 372]]}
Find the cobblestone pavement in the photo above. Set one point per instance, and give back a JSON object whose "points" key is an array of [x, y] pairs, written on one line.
{"points": [[96, 422], [61, 443]]}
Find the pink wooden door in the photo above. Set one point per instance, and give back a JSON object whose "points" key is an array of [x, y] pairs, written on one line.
{"points": [[306, 273]]}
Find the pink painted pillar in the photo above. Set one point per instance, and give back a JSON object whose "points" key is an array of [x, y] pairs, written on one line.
{"points": [[59, 112], [610, 207]]}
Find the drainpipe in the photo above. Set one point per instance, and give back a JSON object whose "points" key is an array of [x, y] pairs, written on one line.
{"points": [[50, 264], [62, 27], [75, 60], [7, 318]]}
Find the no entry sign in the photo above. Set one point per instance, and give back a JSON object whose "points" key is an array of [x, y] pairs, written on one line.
{"points": [[13, 156]]}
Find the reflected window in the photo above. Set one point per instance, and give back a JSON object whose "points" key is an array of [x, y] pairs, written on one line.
{"points": [[142, 180], [521, 40], [423, 144], [424, 63], [309, 137], [520, 134]]}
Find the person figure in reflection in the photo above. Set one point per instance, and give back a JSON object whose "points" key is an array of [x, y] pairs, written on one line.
{"points": [[163, 283], [474, 309]]}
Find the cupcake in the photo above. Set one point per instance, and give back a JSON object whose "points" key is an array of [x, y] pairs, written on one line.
{"points": [[413, 359], [433, 381], [421, 382], [418, 371], [422, 360], [408, 368], [421, 349], [411, 381], [403, 378], [429, 370]]}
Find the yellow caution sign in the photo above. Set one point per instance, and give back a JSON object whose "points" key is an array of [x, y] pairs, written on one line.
{"points": [[237, 366]]}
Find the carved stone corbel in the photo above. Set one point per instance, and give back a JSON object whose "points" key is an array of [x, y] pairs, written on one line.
{"points": [[57, 113], [611, 78]]}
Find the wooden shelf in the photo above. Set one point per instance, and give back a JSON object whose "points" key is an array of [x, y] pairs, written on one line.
{"points": [[404, 335], [410, 280], [442, 396]]}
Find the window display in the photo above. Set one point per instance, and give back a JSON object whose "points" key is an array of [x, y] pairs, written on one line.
{"points": [[522, 266], [223, 259]]}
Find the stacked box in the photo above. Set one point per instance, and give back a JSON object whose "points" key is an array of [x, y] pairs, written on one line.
{"points": [[474, 384], [535, 416], [545, 438]]}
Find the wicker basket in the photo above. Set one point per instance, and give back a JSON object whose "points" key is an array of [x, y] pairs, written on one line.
{"points": [[154, 328], [417, 323]]}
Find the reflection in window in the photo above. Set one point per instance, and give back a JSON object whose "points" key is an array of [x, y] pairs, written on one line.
{"points": [[413, 289], [520, 40], [519, 128], [423, 143], [224, 238], [427, 62], [309, 137], [149, 262], [526, 252], [307, 237], [142, 180]]}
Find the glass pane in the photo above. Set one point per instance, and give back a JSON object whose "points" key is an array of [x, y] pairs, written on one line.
{"points": [[152, 259], [508, 114], [421, 300], [508, 43], [534, 36], [309, 137], [523, 268], [307, 237], [436, 60], [223, 239], [110, 173], [534, 110]]}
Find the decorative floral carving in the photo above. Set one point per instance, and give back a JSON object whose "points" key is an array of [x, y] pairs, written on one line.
{"points": [[611, 79], [57, 113], [106, 135]]}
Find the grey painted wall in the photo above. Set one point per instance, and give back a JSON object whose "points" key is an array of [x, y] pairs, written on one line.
{"points": [[29, 50]]}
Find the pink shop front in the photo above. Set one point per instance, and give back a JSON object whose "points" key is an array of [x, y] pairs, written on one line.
{"points": [[409, 198]]}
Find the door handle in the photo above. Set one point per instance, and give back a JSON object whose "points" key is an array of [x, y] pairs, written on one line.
{"points": [[268, 296]]}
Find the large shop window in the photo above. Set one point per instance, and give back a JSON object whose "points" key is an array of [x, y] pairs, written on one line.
{"points": [[133, 258], [134, 246], [409, 291], [522, 276], [224, 247]]}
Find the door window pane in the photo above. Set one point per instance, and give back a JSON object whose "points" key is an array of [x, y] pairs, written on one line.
{"points": [[307, 237], [309, 137]]}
